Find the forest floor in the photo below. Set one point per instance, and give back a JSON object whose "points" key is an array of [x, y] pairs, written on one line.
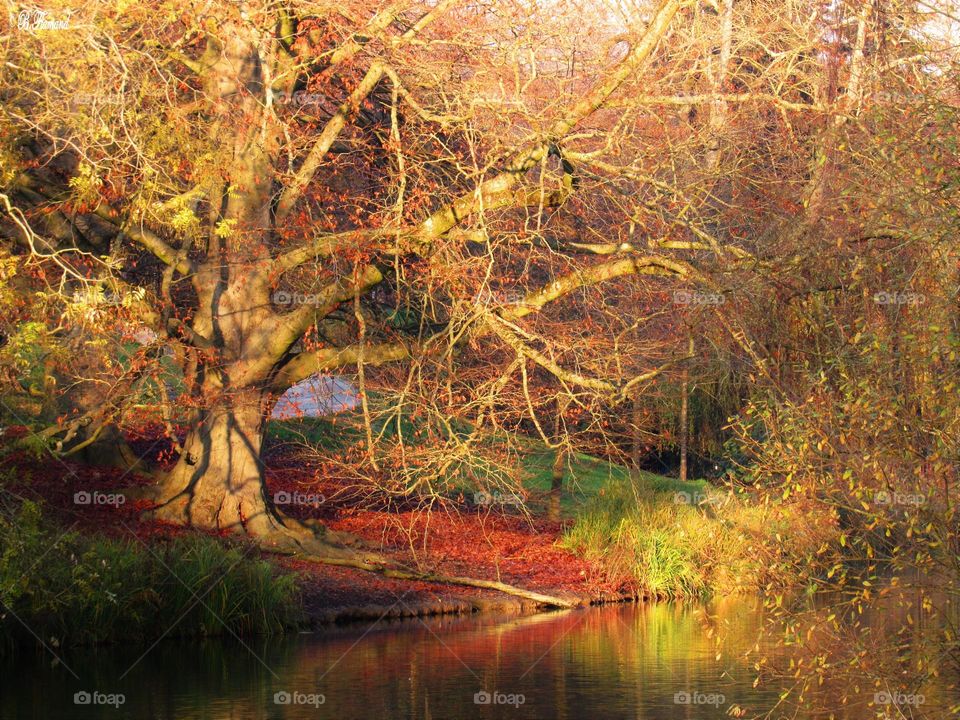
{"points": [[461, 539]]}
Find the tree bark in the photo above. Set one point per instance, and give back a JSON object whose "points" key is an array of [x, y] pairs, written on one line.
{"points": [[109, 448], [559, 460], [684, 422], [218, 482], [556, 486], [91, 406], [539, 598], [636, 449]]}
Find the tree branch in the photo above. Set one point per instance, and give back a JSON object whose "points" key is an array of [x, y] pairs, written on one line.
{"points": [[284, 330], [507, 332], [703, 98], [324, 246], [294, 191], [150, 241], [305, 364], [648, 265], [500, 186]]}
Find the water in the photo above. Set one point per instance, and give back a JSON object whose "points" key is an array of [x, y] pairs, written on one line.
{"points": [[602, 663], [316, 396]]}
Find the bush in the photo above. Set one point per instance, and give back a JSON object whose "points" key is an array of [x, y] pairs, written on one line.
{"points": [[76, 589], [631, 537], [652, 535]]}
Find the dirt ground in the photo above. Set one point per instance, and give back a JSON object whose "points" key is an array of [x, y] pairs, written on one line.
{"points": [[456, 539]]}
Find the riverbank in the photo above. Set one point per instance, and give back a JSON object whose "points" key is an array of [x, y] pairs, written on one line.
{"points": [[343, 595], [622, 536], [455, 541]]}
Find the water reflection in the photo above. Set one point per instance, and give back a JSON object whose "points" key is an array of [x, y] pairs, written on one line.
{"points": [[661, 662]]}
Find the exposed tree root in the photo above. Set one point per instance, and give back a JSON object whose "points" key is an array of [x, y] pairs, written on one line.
{"points": [[380, 567], [332, 548], [310, 539]]}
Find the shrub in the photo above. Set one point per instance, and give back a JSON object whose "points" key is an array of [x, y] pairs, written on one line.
{"points": [[651, 535], [76, 589]]}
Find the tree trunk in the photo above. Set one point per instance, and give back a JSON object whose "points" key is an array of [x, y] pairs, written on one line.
{"points": [[559, 460], [218, 483], [109, 448], [637, 446], [556, 486], [91, 435], [684, 421]]}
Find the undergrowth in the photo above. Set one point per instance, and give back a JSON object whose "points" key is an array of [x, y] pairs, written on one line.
{"points": [[685, 540], [68, 588]]}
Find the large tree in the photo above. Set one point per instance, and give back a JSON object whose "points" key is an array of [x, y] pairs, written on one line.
{"points": [[295, 187]]}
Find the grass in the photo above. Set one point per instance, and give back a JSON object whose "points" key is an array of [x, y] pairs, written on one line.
{"points": [[340, 430], [669, 538], [333, 432], [682, 540], [587, 477], [584, 478], [77, 589]]}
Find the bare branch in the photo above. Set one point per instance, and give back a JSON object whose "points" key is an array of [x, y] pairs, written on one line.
{"points": [[564, 285], [501, 185], [294, 190], [305, 364], [324, 246]]}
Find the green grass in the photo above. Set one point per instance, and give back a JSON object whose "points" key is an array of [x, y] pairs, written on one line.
{"points": [[681, 540], [586, 477], [640, 533], [334, 432], [79, 589], [340, 430], [669, 538]]}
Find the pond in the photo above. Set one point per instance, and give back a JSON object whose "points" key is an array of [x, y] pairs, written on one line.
{"points": [[649, 662]]}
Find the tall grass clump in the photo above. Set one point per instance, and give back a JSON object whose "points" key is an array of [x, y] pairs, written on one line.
{"points": [[682, 540], [630, 538], [238, 591], [71, 588]]}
